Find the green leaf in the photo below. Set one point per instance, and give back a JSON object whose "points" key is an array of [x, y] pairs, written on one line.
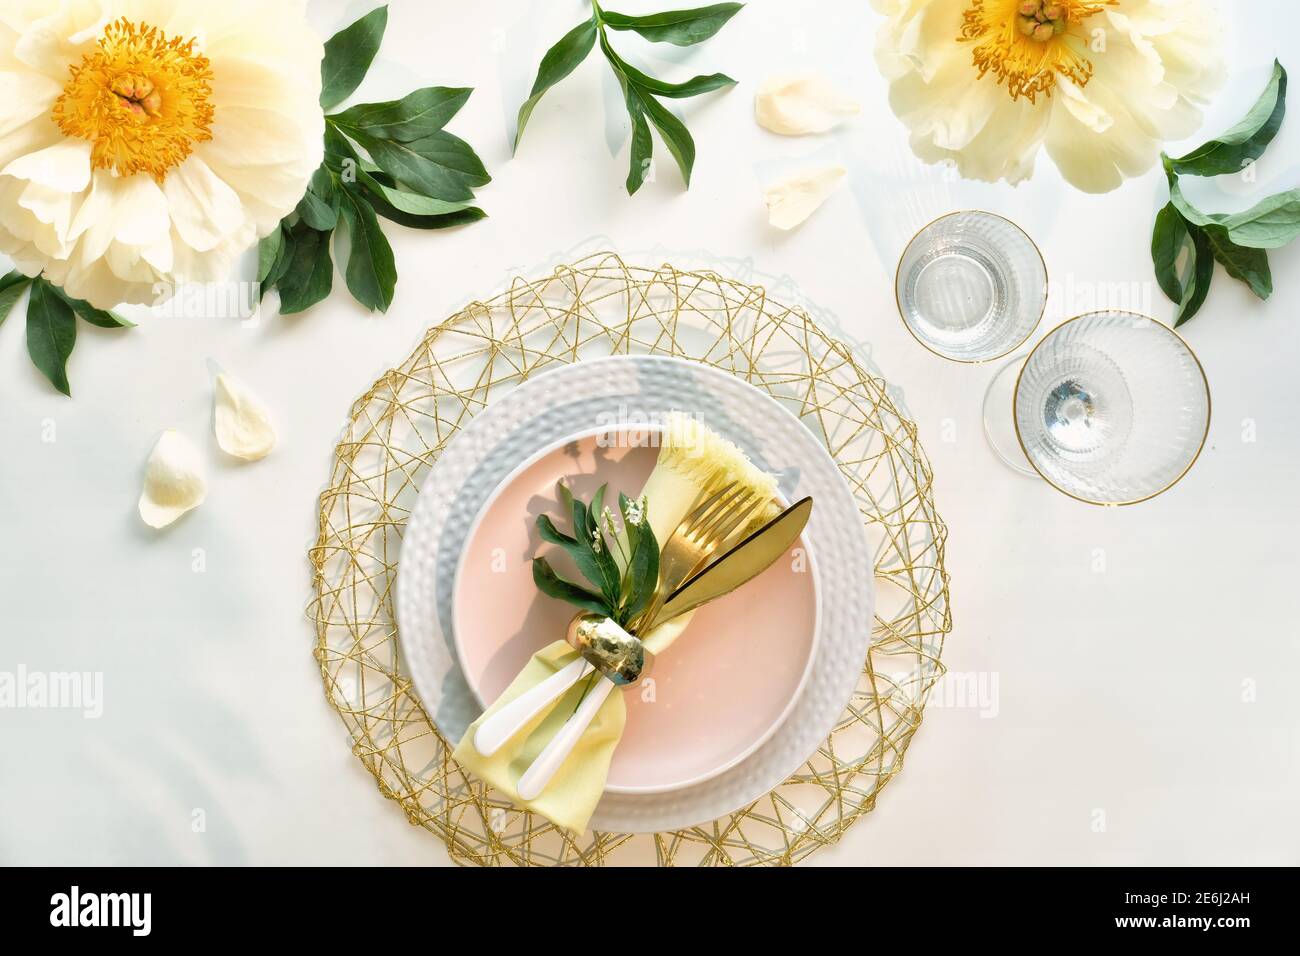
{"points": [[642, 151], [51, 334], [103, 318], [638, 90], [679, 27], [565, 495], [546, 528], [268, 252], [641, 154], [1248, 265], [338, 148], [319, 206], [348, 55], [552, 585], [414, 116], [643, 569], [283, 258], [449, 220], [559, 61], [439, 165], [621, 546], [1199, 277], [1245, 142], [1270, 224], [596, 566], [675, 135], [580, 551], [1168, 239], [371, 273], [11, 288], [1180, 202], [609, 571], [692, 87], [413, 204], [381, 191], [583, 556], [309, 272]]}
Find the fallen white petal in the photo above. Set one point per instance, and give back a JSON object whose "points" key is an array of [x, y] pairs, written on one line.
{"points": [[793, 199], [173, 480], [242, 421], [797, 104]]}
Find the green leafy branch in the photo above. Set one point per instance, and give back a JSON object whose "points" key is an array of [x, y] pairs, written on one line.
{"points": [[621, 564], [1239, 241], [52, 323], [392, 160], [641, 93]]}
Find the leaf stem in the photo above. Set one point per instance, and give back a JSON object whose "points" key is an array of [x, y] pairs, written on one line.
{"points": [[590, 682]]}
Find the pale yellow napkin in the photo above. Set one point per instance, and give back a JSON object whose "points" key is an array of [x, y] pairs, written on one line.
{"points": [[691, 456], [570, 798]]}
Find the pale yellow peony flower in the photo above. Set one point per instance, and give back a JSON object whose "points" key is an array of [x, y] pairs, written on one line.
{"points": [[146, 143], [1102, 85]]}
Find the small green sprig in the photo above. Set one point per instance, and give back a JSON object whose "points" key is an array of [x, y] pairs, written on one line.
{"points": [[1239, 241], [392, 160], [641, 93], [620, 562], [52, 323]]}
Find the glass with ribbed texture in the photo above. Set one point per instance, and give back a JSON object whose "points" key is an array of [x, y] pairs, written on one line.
{"points": [[971, 286], [1111, 407]]}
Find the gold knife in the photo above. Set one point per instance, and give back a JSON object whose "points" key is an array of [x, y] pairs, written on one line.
{"points": [[742, 563]]}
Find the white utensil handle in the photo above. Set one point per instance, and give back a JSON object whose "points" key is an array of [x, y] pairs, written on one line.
{"points": [[536, 777], [515, 716]]}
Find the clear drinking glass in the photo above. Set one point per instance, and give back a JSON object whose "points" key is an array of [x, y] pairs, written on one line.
{"points": [[1111, 408], [971, 286]]}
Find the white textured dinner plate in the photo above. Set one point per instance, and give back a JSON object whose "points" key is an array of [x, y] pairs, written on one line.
{"points": [[607, 393]]}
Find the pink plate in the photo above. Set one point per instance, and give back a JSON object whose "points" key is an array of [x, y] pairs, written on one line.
{"points": [[717, 693]]}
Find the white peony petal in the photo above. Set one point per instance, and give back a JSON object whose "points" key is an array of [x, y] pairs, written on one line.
{"points": [[139, 211], [92, 218], [17, 224], [53, 209], [51, 40], [90, 278], [793, 199], [279, 136], [204, 210], [947, 107], [212, 265], [64, 166], [24, 97], [801, 103], [242, 422], [28, 138], [1085, 110], [173, 480]]}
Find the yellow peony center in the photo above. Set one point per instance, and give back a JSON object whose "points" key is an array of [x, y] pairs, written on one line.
{"points": [[142, 100], [1028, 43]]}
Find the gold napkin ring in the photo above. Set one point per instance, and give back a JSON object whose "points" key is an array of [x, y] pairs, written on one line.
{"points": [[614, 652]]}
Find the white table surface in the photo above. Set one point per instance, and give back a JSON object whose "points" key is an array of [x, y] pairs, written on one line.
{"points": [[1145, 659]]}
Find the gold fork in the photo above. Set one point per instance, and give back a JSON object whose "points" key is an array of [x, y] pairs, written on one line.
{"points": [[697, 538]]}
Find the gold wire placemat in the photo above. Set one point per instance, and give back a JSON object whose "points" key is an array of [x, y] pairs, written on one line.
{"points": [[601, 306]]}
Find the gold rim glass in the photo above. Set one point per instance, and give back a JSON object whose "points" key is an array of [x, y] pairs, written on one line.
{"points": [[971, 286], [1111, 408]]}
